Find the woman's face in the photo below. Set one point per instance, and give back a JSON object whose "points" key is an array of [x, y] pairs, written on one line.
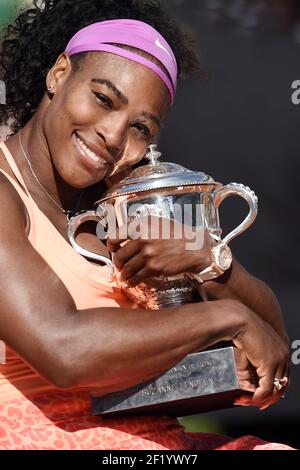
{"points": [[102, 116]]}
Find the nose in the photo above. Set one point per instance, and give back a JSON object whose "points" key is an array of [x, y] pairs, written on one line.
{"points": [[114, 133]]}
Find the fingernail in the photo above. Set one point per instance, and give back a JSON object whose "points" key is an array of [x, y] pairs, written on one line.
{"points": [[264, 407]]}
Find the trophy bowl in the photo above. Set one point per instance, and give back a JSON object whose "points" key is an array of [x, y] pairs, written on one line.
{"points": [[174, 193]]}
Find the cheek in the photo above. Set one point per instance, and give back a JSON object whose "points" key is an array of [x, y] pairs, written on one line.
{"points": [[73, 109], [80, 110]]}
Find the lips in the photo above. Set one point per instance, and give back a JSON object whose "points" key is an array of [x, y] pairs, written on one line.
{"points": [[91, 154]]}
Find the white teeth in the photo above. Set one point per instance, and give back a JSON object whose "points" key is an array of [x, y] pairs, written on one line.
{"points": [[89, 152]]}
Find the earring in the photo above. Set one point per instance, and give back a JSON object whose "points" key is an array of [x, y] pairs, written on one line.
{"points": [[50, 87]]}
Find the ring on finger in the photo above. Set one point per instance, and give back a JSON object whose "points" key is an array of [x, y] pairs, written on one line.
{"points": [[280, 383]]}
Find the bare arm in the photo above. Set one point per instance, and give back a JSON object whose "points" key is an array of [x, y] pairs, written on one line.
{"points": [[95, 348], [240, 285]]}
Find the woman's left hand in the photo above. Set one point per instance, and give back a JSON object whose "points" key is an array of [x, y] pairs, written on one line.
{"points": [[142, 257], [248, 381]]}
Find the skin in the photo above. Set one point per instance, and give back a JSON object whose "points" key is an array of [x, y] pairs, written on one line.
{"points": [[38, 317]]}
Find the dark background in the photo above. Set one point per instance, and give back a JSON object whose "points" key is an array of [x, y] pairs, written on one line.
{"points": [[241, 125]]}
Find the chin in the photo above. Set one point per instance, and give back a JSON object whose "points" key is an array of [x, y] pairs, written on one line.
{"points": [[79, 182]]}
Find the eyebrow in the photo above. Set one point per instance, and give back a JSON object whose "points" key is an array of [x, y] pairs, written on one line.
{"points": [[152, 117], [125, 100], [113, 88]]}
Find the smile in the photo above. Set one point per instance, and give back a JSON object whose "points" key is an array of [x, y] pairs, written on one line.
{"points": [[89, 154]]}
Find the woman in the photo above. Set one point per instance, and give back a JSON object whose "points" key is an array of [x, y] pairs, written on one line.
{"points": [[87, 97]]}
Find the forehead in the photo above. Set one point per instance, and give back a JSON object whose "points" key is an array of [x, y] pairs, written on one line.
{"points": [[134, 80]]}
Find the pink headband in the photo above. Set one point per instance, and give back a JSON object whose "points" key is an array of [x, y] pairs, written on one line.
{"points": [[134, 33]]}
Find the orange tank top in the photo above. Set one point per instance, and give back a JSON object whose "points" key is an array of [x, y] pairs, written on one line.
{"points": [[87, 283]]}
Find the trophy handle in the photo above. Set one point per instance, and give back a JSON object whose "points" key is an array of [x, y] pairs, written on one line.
{"points": [[235, 189], [73, 226]]}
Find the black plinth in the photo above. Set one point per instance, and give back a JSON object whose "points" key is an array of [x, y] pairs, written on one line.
{"points": [[202, 381]]}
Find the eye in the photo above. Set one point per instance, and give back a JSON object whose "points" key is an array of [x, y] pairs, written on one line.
{"points": [[104, 99], [143, 129]]}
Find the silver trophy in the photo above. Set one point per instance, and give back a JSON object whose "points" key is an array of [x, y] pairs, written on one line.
{"points": [[204, 380], [170, 191]]}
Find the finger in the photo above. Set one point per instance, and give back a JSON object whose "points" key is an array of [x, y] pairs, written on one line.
{"points": [[131, 231], [247, 401], [140, 276], [246, 373], [244, 368], [116, 236], [265, 387], [266, 403], [243, 400], [262, 405], [113, 247], [276, 394], [246, 380], [280, 389], [132, 268], [247, 385], [125, 253]]}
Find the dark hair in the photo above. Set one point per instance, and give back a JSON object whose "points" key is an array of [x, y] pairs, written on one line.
{"points": [[32, 43]]}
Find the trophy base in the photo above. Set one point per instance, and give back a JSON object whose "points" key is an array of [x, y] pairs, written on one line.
{"points": [[159, 293], [202, 381]]}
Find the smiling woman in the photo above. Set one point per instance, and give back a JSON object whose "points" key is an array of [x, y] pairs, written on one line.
{"points": [[84, 102]]}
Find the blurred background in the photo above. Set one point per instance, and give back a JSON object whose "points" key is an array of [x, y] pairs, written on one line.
{"points": [[239, 124]]}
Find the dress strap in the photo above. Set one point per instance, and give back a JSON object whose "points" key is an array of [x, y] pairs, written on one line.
{"points": [[10, 160]]}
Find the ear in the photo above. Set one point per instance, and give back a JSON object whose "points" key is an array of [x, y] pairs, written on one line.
{"points": [[59, 73]]}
